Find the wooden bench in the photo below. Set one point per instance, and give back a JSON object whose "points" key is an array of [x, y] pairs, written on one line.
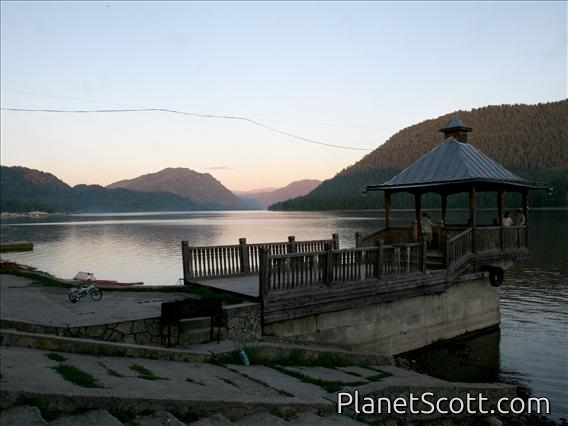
{"points": [[174, 312]]}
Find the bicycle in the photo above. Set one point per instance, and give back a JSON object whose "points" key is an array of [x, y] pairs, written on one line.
{"points": [[75, 294]]}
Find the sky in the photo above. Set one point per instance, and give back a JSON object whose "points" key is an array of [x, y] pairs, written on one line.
{"points": [[340, 73]]}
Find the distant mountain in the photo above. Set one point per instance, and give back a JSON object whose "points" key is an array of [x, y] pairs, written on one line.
{"points": [[529, 140], [201, 188], [265, 198], [251, 202], [24, 190]]}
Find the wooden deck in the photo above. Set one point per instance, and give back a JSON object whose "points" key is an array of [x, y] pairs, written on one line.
{"points": [[295, 277]]}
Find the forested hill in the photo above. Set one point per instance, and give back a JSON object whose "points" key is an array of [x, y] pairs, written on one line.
{"points": [[530, 140], [201, 188], [23, 190]]}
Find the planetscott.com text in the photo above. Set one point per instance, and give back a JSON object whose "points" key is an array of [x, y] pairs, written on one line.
{"points": [[428, 403]]}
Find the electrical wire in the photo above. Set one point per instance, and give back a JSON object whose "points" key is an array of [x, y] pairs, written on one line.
{"points": [[171, 111]]}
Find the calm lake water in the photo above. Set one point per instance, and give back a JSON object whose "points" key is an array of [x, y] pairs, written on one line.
{"points": [[530, 349]]}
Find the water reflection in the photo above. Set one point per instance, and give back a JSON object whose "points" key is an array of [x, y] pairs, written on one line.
{"points": [[472, 358]]}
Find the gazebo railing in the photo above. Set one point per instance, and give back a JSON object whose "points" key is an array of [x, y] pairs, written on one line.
{"points": [[482, 240], [458, 247], [515, 237]]}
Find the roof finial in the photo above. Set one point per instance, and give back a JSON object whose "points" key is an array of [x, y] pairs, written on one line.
{"points": [[456, 129]]}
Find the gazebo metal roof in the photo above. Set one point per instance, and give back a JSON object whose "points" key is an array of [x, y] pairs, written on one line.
{"points": [[455, 123], [453, 164]]}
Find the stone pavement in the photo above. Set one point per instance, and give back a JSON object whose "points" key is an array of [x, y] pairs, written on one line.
{"points": [[256, 394], [158, 386], [22, 300]]}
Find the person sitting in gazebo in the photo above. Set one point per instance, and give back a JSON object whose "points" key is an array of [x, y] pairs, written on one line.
{"points": [[426, 227], [507, 221]]}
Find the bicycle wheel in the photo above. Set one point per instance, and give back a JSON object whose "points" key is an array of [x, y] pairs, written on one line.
{"points": [[96, 294], [73, 296]]}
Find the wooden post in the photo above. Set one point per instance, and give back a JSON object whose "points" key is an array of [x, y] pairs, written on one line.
{"points": [[445, 252], [379, 260], [405, 258], [187, 262], [264, 273], [444, 209], [418, 208], [244, 255], [526, 213], [388, 212], [500, 205], [423, 256], [416, 230], [357, 239], [472, 219], [292, 244], [328, 264], [335, 238]]}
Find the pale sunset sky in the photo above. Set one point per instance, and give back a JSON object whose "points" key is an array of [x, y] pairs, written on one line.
{"points": [[341, 73]]}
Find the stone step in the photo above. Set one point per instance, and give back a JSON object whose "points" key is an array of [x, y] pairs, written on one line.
{"points": [[22, 415], [198, 330], [200, 335], [195, 336], [158, 418], [263, 418], [98, 417], [195, 323]]}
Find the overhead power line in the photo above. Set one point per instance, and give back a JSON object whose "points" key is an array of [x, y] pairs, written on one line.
{"points": [[171, 111]]}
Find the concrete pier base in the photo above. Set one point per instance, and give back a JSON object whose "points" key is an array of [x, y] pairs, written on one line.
{"points": [[390, 328]]}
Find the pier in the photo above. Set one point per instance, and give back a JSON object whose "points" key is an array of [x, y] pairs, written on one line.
{"points": [[399, 288]]}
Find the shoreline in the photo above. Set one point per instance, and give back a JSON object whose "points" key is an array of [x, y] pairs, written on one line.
{"points": [[299, 376], [36, 215]]}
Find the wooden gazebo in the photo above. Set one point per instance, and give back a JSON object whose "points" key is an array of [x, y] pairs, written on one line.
{"points": [[454, 167]]}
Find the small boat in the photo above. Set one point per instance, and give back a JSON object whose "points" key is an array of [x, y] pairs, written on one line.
{"points": [[89, 278]]}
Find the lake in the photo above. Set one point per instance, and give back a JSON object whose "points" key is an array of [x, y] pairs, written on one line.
{"points": [[530, 349]]}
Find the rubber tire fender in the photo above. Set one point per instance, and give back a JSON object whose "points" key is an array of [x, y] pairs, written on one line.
{"points": [[496, 276]]}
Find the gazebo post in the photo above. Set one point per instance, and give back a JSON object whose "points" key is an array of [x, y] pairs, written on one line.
{"points": [[526, 213], [472, 203], [418, 208], [500, 205], [444, 208], [388, 212]]}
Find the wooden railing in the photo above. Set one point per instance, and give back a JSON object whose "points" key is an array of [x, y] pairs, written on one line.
{"points": [[390, 235], [212, 261], [284, 272], [291, 271], [487, 238], [403, 258], [304, 264], [242, 258], [483, 240], [515, 237], [458, 247]]}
